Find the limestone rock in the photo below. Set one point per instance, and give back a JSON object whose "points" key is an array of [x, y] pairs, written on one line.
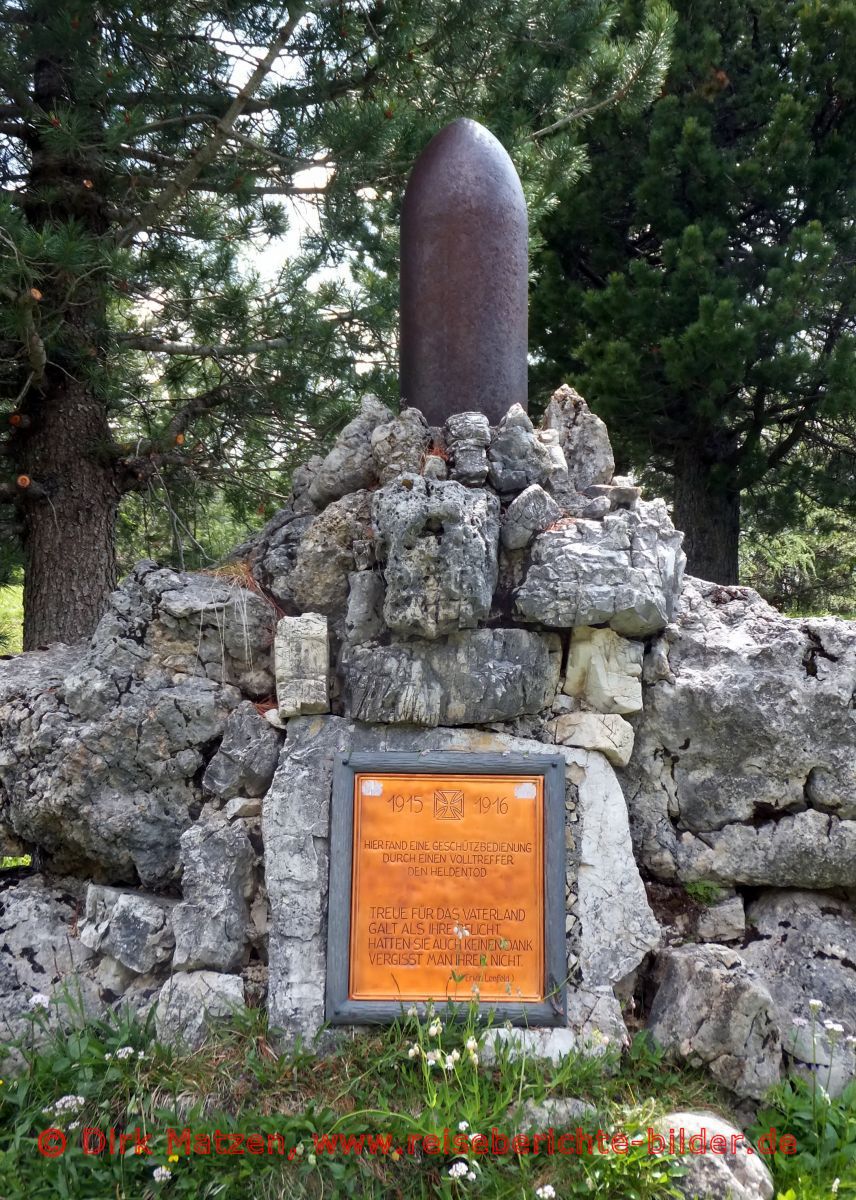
{"points": [[189, 1004], [517, 458], [211, 921], [295, 827], [557, 467], [605, 670], [724, 922], [39, 954], [246, 759], [618, 927], [274, 551], [806, 850], [625, 571], [746, 745], [711, 1009], [435, 467], [467, 438], [364, 616], [474, 677], [350, 465], [328, 553], [729, 1169], [584, 438], [302, 655], [549, 1045], [242, 806], [804, 948], [134, 929], [100, 769], [556, 1112], [529, 513], [608, 733], [440, 540], [399, 446], [619, 494]]}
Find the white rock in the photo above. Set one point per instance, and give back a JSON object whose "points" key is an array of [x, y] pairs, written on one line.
{"points": [[606, 732], [723, 922], [189, 1003], [301, 662], [242, 806], [605, 670], [729, 1169]]}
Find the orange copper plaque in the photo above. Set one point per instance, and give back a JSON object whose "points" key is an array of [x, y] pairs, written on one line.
{"points": [[447, 892]]}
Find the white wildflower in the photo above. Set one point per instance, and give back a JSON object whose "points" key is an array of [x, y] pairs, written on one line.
{"points": [[456, 1056], [449, 1064], [39, 1000], [474, 1059], [125, 1052], [162, 1174], [435, 1028], [836, 1184], [69, 1104], [141, 1054], [412, 1011], [432, 1057], [850, 1040], [472, 1045], [800, 1022], [463, 1126], [471, 1176], [545, 1192], [73, 1125], [457, 1170], [815, 1005], [413, 1052]]}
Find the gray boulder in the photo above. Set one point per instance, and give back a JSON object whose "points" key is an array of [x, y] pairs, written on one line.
{"points": [[625, 572], [189, 1004], [467, 439], [211, 922], [517, 457], [484, 675], [399, 446], [711, 1010], [803, 946], [100, 769], [728, 1168], [134, 929], [328, 553], [440, 541], [529, 513], [350, 465], [583, 438], [246, 759], [779, 808]]}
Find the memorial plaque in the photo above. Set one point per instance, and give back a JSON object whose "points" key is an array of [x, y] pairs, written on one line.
{"points": [[447, 884]]}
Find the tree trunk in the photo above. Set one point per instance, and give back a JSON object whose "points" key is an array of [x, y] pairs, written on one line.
{"points": [[708, 511], [69, 555]]}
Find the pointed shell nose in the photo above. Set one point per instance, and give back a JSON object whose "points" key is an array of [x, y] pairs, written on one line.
{"points": [[464, 278]]}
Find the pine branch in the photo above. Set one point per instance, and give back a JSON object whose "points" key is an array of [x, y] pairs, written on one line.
{"points": [[206, 154], [160, 346]]}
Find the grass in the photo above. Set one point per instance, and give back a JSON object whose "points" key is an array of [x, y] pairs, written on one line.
{"points": [[113, 1075], [11, 619]]}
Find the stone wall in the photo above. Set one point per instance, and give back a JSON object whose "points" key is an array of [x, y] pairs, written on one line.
{"points": [[463, 588]]}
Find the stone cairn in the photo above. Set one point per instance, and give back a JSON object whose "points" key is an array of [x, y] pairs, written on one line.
{"points": [[462, 588]]}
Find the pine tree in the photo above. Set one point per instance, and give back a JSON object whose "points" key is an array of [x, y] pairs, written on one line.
{"points": [[698, 285], [144, 147]]}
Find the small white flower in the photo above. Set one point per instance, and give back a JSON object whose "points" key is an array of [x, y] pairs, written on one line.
{"points": [[449, 1064], [69, 1104], [39, 1000], [471, 1176], [800, 1022], [815, 1005], [824, 1094], [125, 1052], [836, 1184], [412, 1011], [834, 1029], [413, 1052], [457, 1170], [141, 1054], [455, 1056], [435, 1028], [850, 1040], [463, 1126], [474, 1059], [108, 1057], [311, 1159], [472, 1045], [73, 1125], [546, 1192], [432, 1057], [162, 1174]]}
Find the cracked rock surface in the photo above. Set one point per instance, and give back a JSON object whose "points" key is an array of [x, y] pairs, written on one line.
{"points": [[778, 808]]}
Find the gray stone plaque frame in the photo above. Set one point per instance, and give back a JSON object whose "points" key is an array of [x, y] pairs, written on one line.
{"points": [[341, 1010]]}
